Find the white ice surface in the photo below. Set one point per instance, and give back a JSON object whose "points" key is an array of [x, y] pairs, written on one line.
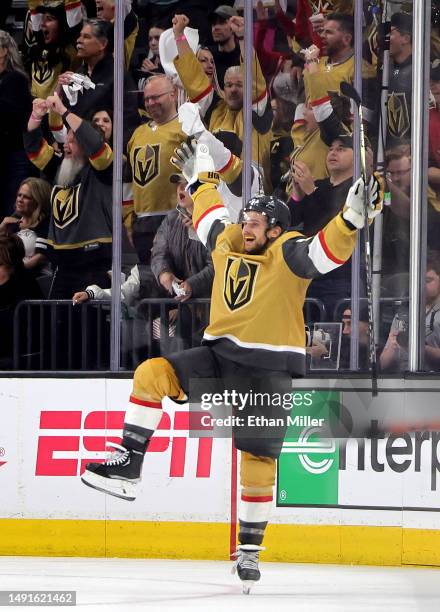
{"points": [[138, 584]]}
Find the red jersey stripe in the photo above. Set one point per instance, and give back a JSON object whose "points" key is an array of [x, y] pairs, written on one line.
{"points": [[327, 250], [225, 167], [260, 97], [99, 153], [252, 498], [203, 94], [321, 101], [33, 155], [196, 225], [147, 404]]}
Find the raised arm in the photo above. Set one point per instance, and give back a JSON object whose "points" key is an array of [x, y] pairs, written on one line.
{"points": [[259, 88], [92, 142], [37, 149], [334, 244], [269, 60], [320, 85], [226, 163], [197, 85], [210, 216]]}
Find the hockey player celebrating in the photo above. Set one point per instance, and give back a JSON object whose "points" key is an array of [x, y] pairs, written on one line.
{"points": [[256, 333]]}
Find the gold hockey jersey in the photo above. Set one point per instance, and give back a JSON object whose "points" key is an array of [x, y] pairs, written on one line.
{"points": [[257, 300], [81, 213], [45, 77], [311, 147], [149, 152], [335, 73]]}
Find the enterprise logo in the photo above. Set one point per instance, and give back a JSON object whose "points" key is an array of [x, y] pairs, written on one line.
{"points": [[304, 447]]}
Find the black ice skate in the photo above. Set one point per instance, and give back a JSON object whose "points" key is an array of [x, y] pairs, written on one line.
{"points": [[246, 565], [118, 475]]}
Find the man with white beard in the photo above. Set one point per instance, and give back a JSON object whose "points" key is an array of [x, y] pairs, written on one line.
{"points": [[69, 169], [80, 228]]}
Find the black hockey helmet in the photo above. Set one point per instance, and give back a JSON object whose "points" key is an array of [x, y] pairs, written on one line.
{"points": [[276, 211]]}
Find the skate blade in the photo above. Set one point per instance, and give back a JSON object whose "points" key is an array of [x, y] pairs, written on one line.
{"points": [[116, 487], [247, 585]]}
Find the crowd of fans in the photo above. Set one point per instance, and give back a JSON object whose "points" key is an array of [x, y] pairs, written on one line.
{"points": [[183, 80]]}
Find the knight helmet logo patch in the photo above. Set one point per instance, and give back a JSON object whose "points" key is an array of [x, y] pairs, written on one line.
{"points": [[240, 276], [42, 73], [145, 163], [65, 205], [398, 115]]}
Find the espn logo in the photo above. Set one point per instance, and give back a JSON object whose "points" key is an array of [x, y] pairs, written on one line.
{"points": [[71, 439]]}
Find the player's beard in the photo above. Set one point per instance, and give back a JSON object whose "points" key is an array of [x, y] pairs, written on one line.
{"points": [[68, 171], [259, 249]]}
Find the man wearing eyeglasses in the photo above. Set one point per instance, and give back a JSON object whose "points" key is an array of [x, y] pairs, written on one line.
{"points": [[149, 152]]}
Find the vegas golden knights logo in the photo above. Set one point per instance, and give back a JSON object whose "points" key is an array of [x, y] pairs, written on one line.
{"points": [[145, 164], [65, 206], [240, 276], [41, 72], [398, 115]]}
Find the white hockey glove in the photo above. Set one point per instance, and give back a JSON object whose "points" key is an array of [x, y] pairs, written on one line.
{"points": [[184, 158], [354, 210], [196, 164], [354, 204], [189, 117]]}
